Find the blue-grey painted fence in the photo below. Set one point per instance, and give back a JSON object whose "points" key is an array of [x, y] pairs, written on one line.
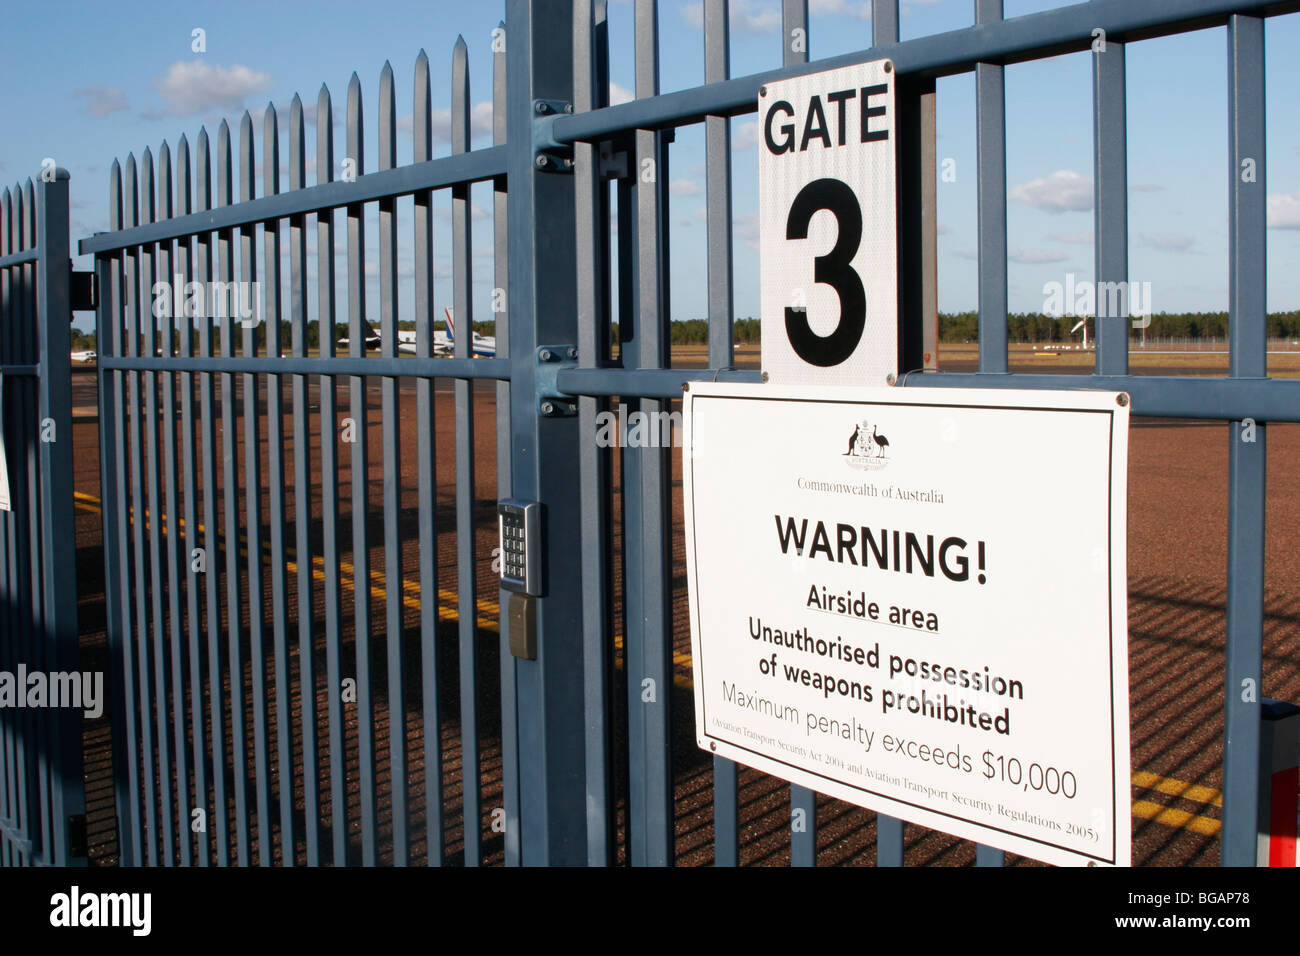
{"points": [[587, 772], [42, 800]]}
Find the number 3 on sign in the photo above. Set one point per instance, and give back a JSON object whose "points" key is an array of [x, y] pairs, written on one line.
{"points": [[829, 282], [834, 269]]}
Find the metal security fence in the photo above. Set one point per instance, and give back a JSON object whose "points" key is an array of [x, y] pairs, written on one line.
{"points": [[292, 681], [42, 802]]}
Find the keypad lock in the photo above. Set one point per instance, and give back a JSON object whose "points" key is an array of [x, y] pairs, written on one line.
{"points": [[519, 528]]}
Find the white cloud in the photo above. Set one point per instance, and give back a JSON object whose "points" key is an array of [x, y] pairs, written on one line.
{"points": [[685, 187], [1035, 256], [745, 135], [1169, 241], [1063, 191], [840, 8], [102, 100], [746, 16], [1284, 211], [619, 94], [1077, 238], [192, 87]]}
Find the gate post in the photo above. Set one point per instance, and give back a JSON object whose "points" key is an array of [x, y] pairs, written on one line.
{"points": [[549, 771], [67, 797]]}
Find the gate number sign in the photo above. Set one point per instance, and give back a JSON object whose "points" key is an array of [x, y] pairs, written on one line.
{"points": [[827, 230]]}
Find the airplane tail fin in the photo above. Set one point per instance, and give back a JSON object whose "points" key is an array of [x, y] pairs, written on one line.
{"points": [[451, 324]]}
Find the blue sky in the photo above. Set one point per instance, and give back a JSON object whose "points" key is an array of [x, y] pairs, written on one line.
{"points": [[90, 82]]}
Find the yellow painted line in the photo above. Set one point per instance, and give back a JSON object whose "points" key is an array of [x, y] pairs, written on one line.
{"points": [[1179, 819], [377, 591], [1178, 788], [680, 658]]}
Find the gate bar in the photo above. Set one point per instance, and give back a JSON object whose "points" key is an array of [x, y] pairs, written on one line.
{"points": [[1247, 488], [480, 165], [550, 772]]}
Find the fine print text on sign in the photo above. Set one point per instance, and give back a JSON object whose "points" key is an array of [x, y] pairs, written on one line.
{"points": [[827, 232], [885, 608]]}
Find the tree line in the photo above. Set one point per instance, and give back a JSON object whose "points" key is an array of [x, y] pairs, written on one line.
{"points": [[1022, 327]]}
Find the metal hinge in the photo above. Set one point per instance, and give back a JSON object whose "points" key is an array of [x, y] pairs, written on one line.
{"points": [[551, 402], [550, 155]]}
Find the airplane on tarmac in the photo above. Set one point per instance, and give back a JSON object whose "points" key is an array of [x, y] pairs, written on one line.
{"points": [[444, 342], [406, 340], [480, 345], [83, 357]]}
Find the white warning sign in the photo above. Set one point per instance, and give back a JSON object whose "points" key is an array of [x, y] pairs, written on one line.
{"points": [[884, 609]]}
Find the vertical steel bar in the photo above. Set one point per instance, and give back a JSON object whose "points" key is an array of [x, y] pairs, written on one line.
{"points": [[212, 573], [550, 772], [9, 719], [803, 802], [392, 413], [329, 436], [58, 535], [794, 38], [646, 498], [590, 91], [1110, 175], [30, 505], [501, 266], [925, 339], [884, 22], [889, 830], [8, 605], [173, 523], [138, 520], [991, 147], [302, 492], [275, 489], [31, 493], [248, 309], [230, 451], [189, 252], [21, 735], [18, 739], [1247, 454], [717, 173], [154, 517], [360, 478], [117, 555], [466, 592], [427, 474], [991, 150]]}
